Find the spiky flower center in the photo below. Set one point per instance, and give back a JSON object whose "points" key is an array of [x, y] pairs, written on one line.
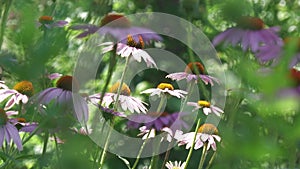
{"points": [[21, 120], [208, 129], [158, 114], [131, 42], [295, 75], [164, 86], [252, 23], [203, 103], [24, 87], [124, 89], [3, 117], [46, 19], [68, 83], [194, 68], [115, 20]]}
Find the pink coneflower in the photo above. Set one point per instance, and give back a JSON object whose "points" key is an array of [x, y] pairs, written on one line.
{"points": [[250, 33], [19, 94], [48, 22], [131, 48], [193, 72], [165, 89], [66, 96], [125, 102], [118, 26], [206, 134], [146, 133], [206, 106]]}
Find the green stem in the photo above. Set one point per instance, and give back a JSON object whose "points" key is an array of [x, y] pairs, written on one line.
{"points": [[121, 83], [161, 103], [98, 150], [154, 157], [193, 144], [115, 108], [140, 152], [103, 155], [189, 90], [45, 143], [211, 160], [3, 21], [57, 151], [167, 155], [111, 67], [203, 156]]}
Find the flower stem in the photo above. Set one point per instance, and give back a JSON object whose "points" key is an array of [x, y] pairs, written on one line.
{"points": [[111, 67], [103, 155], [115, 108], [190, 89], [45, 143], [121, 83], [211, 160], [203, 156], [3, 21], [161, 103], [167, 155], [193, 144], [154, 157], [140, 152], [57, 150]]}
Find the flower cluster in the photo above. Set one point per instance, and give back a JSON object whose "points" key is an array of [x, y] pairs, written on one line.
{"points": [[60, 109]]}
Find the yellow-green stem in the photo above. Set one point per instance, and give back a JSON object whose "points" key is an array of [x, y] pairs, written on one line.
{"points": [[193, 144], [203, 156], [3, 21], [140, 152], [211, 160], [115, 108]]}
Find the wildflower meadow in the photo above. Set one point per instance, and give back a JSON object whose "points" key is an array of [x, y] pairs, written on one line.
{"points": [[158, 84]]}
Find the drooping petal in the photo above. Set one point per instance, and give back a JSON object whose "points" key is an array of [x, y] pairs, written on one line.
{"points": [[13, 132]]}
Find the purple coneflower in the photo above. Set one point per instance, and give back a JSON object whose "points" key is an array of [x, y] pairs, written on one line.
{"points": [[22, 125], [48, 22], [8, 130], [175, 165], [19, 93], [131, 48], [206, 106], [125, 102], [156, 121], [250, 33], [118, 26], [165, 89], [193, 72], [273, 51], [206, 134], [66, 96]]}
